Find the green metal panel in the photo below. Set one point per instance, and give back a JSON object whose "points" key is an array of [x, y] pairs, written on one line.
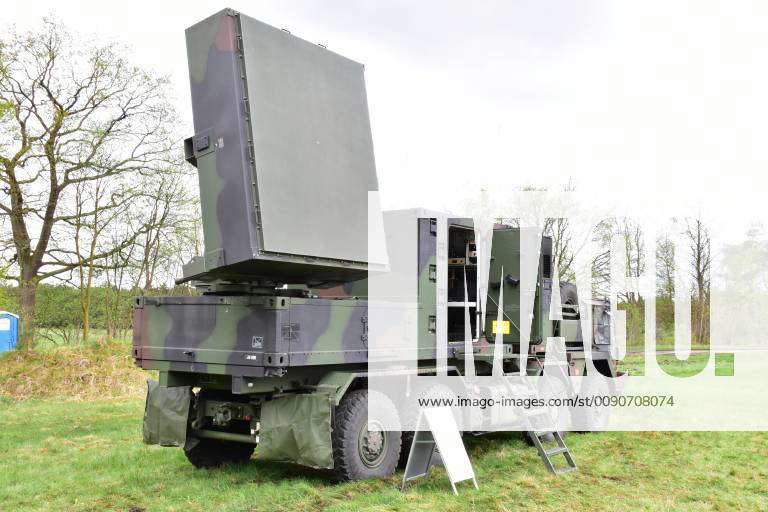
{"points": [[505, 253], [570, 330], [337, 383], [312, 144], [427, 290]]}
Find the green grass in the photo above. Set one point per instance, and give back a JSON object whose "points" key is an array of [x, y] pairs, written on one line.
{"points": [[664, 345], [634, 364], [52, 338], [89, 456]]}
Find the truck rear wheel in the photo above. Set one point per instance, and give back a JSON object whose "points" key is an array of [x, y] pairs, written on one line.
{"points": [[360, 453], [405, 450], [212, 453]]}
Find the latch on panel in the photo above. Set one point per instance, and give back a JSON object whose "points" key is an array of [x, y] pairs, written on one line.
{"points": [[198, 145], [432, 324], [202, 142]]}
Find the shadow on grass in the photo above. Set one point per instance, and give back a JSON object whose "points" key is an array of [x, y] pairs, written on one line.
{"points": [[274, 472], [268, 472]]}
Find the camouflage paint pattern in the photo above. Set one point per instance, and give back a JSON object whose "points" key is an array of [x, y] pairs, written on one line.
{"points": [[217, 99], [247, 336]]}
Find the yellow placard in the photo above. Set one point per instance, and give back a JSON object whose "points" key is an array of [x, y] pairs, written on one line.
{"points": [[504, 327]]}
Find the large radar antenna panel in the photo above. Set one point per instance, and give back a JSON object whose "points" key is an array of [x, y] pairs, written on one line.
{"points": [[284, 154]]}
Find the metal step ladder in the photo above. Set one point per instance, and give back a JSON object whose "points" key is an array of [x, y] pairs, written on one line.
{"points": [[547, 454], [539, 437], [531, 420]]}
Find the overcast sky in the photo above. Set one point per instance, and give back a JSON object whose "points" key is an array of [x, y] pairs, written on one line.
{"points": [[661, 101]]}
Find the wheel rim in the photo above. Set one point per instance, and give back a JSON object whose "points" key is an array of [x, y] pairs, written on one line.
{"points": [[372, 444]]}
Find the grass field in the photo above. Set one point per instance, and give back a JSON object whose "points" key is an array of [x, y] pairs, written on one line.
{"points": [[88, 455], [76, 372], [51, 338], [664, 345], [635, 364]]}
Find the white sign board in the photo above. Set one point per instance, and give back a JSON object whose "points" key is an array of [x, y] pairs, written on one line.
{"points": [[443, 435], [5, 324]]}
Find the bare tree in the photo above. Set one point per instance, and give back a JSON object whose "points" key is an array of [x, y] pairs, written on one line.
{"points": [[170, 212], [116, 319], [665, 267], [601, 274], [698, 238], [71, 112], [85, 263], [630, 235], [559, 229], [99, 208], [562, 252]]}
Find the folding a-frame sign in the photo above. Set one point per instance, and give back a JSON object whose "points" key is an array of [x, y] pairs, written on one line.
{"points": [[443, 436]]}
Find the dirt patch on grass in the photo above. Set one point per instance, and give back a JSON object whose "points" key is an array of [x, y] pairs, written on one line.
{"points": [[72, 373]]}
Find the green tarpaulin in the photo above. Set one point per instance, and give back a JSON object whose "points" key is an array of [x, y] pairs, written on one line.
{"points": [[165, 414], [297, 428]]}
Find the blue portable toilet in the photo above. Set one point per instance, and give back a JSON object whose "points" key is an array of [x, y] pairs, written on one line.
{"points": [[9, 331]]}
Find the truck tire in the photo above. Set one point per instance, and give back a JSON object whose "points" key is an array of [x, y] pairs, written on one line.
{"points": [[568, 294], [212, 453], [406, 442], [359, 453]]}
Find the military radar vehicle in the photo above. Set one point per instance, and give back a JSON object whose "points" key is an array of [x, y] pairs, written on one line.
{"points": [[273, 350]]}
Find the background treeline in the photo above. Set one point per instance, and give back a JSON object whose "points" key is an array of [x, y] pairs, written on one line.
{"points": [[683, 260], [665, 322], [619, 254], [58, 315]]}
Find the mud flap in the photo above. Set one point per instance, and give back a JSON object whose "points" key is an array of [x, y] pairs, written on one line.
{"points": [[165, 414], [297, 429]]}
